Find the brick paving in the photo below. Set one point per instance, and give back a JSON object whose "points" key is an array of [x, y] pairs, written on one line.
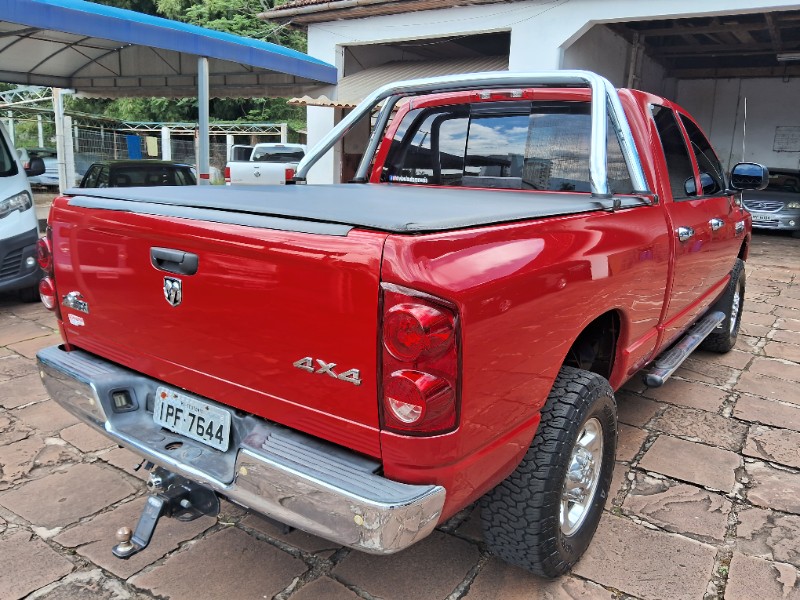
{"points": [[705, 498]]}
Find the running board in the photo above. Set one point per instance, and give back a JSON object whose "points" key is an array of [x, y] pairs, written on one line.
{"points": [[667, 363]]}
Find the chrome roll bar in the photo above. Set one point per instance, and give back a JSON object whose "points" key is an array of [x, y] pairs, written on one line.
{"points": [[605, 104]]}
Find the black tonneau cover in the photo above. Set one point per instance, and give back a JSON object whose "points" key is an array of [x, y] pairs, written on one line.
{"points": [[384, 207]]}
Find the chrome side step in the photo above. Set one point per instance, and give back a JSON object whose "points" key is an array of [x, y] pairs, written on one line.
{"points": [[669, 361]]}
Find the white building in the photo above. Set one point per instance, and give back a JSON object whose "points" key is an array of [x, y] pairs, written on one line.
{"points": [[721, 59]]}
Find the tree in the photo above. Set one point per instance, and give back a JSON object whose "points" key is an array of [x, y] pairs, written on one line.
{"points": [[238, 17]]}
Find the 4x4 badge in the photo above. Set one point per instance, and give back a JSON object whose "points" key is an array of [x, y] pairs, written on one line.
{"points": [[172, 290]]}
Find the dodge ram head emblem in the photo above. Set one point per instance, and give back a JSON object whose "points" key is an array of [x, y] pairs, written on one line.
{"points": [[172, 290]]}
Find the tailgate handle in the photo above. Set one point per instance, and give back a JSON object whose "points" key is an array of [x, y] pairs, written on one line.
{"points": [[174, 261]]}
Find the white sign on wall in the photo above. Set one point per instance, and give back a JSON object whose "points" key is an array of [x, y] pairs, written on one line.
{"points": [[787, 139]]}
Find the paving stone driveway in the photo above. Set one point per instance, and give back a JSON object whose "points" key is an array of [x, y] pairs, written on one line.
{"points": [[706, 493]]}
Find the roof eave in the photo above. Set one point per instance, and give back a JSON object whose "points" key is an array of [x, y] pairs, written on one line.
{"points": [[335, 10]]}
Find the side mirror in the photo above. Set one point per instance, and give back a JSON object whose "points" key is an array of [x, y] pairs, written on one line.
{"points": [[35, 167], [689, 187], [749, 176]]}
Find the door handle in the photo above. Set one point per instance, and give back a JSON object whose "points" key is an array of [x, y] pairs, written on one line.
{"points": [[684, 233], [716, 224], [174, 261]]}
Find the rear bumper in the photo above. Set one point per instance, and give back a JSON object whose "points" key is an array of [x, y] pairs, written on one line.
{"points": [[299, 480]]}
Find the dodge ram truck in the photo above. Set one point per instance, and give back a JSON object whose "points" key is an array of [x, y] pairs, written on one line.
{"points": [[362, 361]]}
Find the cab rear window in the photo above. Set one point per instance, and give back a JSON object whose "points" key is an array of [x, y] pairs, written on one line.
{"points": [[506, 145]]}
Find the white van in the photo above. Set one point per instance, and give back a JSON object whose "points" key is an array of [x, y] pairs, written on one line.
{"points": [[19, 228]]}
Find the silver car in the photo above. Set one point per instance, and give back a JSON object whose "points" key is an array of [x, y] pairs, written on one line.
{"points": [[778, 205]]}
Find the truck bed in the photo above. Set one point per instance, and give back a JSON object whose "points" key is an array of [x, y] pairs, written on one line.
{"points": [[381, 207]]}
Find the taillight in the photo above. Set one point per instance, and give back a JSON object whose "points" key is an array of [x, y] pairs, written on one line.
{"points": [[47, 292], [288, 175], [420, 386], [227, 174], [44, 256]]}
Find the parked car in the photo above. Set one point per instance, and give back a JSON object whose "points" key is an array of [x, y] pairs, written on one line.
{"points": [[778, 205], [137, 173], [49, 178]]}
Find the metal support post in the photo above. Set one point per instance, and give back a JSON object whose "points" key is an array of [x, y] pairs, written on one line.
{"points": [[40, 130], [58, 109], [69, 152], [166, 144], [284, 133], [204, 150], [10, 128]]}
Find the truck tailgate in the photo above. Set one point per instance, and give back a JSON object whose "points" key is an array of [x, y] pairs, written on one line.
{"points": [[282, 324]]}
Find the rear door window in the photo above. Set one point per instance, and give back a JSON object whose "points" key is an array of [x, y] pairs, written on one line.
{"points": [[711, 174], [508, 145], [679, 165]]}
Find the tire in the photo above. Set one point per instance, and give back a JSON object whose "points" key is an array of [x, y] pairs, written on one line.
{"points": [[723, 339], [29, 294], [522, 517]]}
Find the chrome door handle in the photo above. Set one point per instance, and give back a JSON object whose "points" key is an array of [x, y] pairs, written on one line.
{"points": [[716, 224], [739, 227], [684, 233]]}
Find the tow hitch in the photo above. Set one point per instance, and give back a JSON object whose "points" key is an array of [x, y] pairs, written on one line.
{"points": [[171, 496]]}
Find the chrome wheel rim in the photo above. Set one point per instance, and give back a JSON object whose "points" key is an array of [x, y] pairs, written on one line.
{"points": [[583, 475], [735, 305]]}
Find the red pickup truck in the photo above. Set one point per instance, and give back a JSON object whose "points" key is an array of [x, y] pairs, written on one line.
{"points": [[364, 360]]}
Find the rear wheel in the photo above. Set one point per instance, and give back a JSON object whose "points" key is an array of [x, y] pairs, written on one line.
{"points": [[543, 516], [723, 338]]}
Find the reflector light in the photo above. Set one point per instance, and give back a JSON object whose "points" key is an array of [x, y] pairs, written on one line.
{"points": [[227, 174], [289, 174], [414, 397], [47, 292]]}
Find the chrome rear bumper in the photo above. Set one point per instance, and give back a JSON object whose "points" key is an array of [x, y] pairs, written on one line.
{"points": [[292, 477]]}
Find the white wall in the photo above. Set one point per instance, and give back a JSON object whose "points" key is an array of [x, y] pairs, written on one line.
{"points": [[542, 32], [718, 105]]}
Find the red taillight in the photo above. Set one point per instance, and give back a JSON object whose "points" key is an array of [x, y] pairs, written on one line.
{"points": [[288, 174], [227, 174], [47, 292], [413, 329], [420, 388], [44, 256]]}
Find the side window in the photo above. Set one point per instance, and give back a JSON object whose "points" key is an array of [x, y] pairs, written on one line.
{"points": [[90, 180], [679, 165], [711, 174], [102, 178], [8, 163]]}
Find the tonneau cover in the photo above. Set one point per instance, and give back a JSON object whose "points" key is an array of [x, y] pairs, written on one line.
{"points": [[383, 207]]}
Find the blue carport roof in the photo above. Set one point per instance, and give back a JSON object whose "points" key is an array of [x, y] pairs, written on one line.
{"points": [[112, 52]]}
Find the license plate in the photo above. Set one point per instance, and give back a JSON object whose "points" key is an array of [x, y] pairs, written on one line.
{"points": [[763, 218], [193, 418]]}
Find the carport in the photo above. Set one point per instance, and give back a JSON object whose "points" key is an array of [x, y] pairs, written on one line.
{"points": [[110, 52]]}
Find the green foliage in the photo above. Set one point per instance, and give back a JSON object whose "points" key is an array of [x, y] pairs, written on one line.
{"points": [[238, 17]]}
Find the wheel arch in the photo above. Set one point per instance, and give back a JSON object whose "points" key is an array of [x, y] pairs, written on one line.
{"points": [[595, 347]]}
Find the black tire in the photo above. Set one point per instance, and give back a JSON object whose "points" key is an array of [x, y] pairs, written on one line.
{"points": [[723, 338], [521, 517], [29, 294]]}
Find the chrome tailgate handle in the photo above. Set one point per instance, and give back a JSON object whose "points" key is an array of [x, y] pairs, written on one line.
{"points": [[174, 261], [684, 233]]}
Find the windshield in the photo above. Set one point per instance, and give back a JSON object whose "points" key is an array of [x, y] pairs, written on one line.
{"points": [[8, 164], [278, 155], [784, 182]]}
